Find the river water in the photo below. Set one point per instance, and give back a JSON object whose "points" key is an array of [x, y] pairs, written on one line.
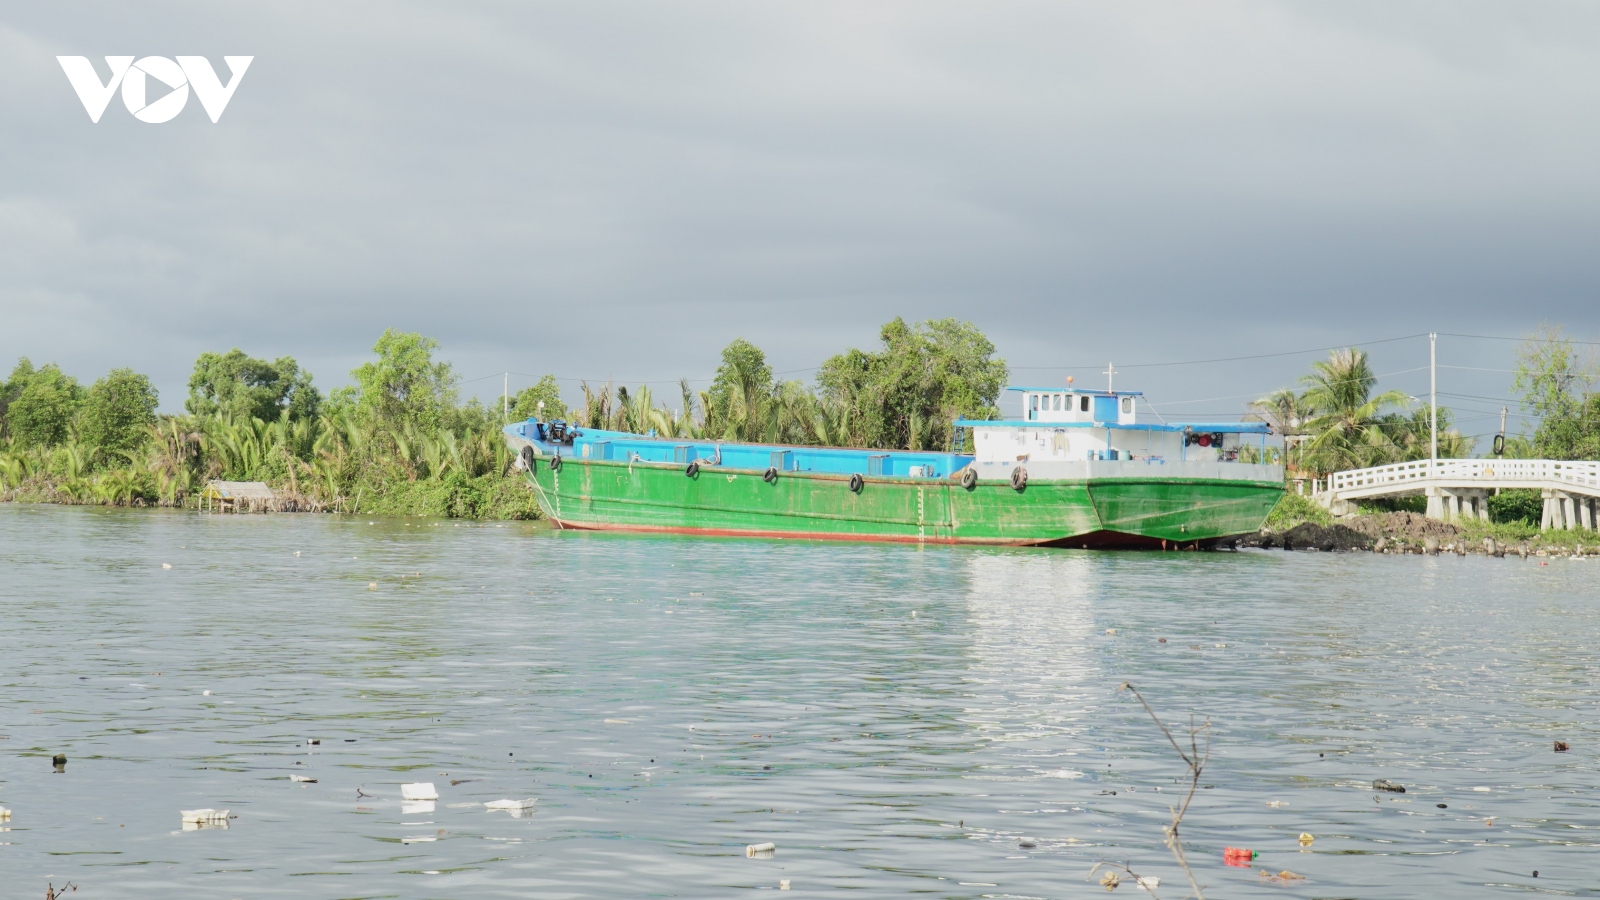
{"points": [[896, 720]]}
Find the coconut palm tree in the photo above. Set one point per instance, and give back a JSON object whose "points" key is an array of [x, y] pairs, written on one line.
{"points": [[1286, 413], [1347, 427]]}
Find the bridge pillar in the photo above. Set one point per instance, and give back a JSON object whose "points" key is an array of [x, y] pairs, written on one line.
{"points": [[1449, 503], [1435, 508], [1560, 511], [1586, 512]]}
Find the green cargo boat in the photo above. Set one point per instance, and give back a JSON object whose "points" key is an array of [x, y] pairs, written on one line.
{"points": [[1076, 470]]}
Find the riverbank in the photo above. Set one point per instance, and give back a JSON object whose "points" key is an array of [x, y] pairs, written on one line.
{"points": [[1300, 524], [455, 496]]}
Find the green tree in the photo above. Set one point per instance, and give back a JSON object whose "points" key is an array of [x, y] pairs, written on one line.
{"points": [[11, 388], [1550, 374], [1287, 413], [739, 400], [404, 386], [1572, 435], [42, 413], [1348, 430], [1556, 383], [236, 385], [118, 412], [908, 392], [1412, 436], [526, 402]]}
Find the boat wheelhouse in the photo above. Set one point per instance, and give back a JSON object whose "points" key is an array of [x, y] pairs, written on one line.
{"points": [[1063, 431]]}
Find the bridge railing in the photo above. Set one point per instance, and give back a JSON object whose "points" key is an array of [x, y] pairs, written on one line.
{"points": [[1578, 473]]}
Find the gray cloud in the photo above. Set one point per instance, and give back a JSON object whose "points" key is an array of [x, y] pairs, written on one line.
{"points": [[609, 189]]}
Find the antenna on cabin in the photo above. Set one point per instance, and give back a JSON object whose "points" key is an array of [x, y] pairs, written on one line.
{"points": [[1109, 373]]}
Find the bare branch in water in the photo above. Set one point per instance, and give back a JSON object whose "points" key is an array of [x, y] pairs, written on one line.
{"points": [[1195, 757]]}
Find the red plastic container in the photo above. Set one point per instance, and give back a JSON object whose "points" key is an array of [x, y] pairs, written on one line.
{"points": [[1238, 856]]}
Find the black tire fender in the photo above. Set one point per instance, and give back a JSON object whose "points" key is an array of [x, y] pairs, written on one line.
{"points": [[770, 476], [969, 479], [555, 463], [692, 470], [857, 483], [527, 458], [1019, 478]]}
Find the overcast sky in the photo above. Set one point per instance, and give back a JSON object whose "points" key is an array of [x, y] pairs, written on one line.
{"points": [[598, 189]]}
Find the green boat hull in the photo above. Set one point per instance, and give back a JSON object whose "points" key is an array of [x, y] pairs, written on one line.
{"points": [[1096, 512]]}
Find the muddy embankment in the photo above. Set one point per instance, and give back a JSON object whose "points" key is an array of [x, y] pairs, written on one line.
{"points": [[1393, 532]]}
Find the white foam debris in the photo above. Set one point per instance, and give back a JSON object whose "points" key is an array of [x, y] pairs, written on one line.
{"points": [[421, 790]]}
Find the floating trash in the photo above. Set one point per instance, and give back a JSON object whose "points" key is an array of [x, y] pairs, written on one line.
{"points": [[512, 804], [1238, 856], [204, 816], [761, 851], [1483, 790], [1148, 882], [1562, 746], [1383, 784], [1277, 803], [420, 839], [419, 807], [166, 565], [421, 790], [372, 585], [59, 762], [205, 693], [1027, 845], [783, 884], [616, 721], [5, 814], [302, 779], [314, 742], [1306, 838]]}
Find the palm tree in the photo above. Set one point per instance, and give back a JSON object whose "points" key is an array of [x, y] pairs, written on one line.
{"points": [[1347, 426], [1286, 413]]}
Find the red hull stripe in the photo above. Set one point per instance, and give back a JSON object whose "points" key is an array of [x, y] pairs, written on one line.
{"points": [[1093, 539]]}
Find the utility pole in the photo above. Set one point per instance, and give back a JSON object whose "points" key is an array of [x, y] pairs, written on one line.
{"points": [[505, 397], [1433, 400], [1500, 439]]}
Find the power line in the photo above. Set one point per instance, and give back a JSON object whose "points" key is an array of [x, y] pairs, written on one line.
{"points": [[1492, 337], [1199, 362]]}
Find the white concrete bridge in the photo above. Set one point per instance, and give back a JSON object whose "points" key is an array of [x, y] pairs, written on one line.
{"points": [[1460, 488]]}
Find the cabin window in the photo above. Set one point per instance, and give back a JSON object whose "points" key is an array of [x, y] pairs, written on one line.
{"points": [[1127, 405], [1083, 405], [1057, 406], [1033, 411]]}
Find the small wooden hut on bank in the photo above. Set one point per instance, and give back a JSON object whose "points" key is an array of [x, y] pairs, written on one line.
{"points": [[239, 496]]}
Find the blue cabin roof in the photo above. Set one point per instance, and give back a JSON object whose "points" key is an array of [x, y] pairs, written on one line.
{"points": [[1069, 389]]}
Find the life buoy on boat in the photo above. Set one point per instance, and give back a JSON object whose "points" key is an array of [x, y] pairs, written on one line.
{"points": [[692, 469], [969, 479], [527, 459], [555, 463], [856, 483], [770, 476], [1019, 478]]}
